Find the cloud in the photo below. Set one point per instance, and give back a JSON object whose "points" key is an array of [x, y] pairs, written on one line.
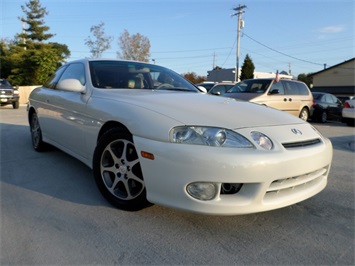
{"points": [[332, 29]]}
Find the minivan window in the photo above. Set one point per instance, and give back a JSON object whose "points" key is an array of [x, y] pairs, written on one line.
{"points": [[251, 86], [302, 89], [277, 88], [295, 88], [291, 88]]}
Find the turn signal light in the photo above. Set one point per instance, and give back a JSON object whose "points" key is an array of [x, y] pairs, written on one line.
{"points": [[147, 155]]}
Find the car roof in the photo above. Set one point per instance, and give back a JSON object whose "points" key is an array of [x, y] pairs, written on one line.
{"points": [[83, 60]]}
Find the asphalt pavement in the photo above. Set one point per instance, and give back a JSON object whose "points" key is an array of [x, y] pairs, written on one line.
{"points": [[53, 214]]}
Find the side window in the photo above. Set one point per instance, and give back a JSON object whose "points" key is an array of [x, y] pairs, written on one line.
{"points": [[330, 99], [53, 80], [277, 86], [335, 99], [74, 71], [302, 88], [291, 88]]}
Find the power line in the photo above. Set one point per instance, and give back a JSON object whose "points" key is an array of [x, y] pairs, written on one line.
{"points": [[272, 49]]}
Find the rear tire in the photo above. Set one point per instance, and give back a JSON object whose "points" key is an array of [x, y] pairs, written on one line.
{"points": [[117, 171], [36, 134], [323, 117], [304, 114], [350, 122]]}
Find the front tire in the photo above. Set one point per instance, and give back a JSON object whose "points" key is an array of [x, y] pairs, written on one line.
{"points": [[16, 105], [117, 171]]}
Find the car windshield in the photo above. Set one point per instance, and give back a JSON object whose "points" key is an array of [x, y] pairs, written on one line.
{"points": [[135, 75], [251, 86], [5, 83]]}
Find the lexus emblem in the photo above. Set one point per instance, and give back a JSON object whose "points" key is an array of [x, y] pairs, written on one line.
{"points": [[296, 131]]}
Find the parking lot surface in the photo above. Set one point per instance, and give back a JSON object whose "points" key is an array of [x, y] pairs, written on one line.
{"points": [[53, 214]]}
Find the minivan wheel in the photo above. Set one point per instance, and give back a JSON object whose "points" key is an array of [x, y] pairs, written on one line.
{"points": [[304, 114]]}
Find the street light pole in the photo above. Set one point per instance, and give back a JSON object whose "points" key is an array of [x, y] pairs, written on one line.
{"points": [[239, 12]]}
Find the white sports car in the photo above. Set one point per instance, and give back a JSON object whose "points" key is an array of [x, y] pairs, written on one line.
{"points": [[150, 136]]}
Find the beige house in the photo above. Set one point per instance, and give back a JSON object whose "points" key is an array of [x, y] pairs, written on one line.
{"points": [[337, 80]]}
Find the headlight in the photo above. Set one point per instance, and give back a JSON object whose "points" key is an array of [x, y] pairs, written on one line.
{"points": [[16, 92], [262, 140], [209, 136]]}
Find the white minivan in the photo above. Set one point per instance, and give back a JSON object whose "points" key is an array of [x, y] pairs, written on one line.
{"points": [[287, 95]]}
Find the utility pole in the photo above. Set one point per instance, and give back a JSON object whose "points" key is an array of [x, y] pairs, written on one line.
{"points": [[214, 60], [23, 34], [239, 12]]}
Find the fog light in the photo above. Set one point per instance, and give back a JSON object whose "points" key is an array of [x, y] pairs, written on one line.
{"points": [[202, 190]]}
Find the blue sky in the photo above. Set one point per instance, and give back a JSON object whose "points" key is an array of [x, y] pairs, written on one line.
{"points": [[195, 35]]}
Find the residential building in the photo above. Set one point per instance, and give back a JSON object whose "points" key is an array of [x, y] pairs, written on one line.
{"points": [[338, 79]]}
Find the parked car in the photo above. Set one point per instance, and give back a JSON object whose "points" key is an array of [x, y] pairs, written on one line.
{"points": [[290, 96], [206, 84], [221, 88], [348, 112], [344, 98], [9, 94], [151, 137], [326, 107]]}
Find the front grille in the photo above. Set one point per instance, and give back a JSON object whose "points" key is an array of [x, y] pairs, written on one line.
{"points": [[5, 92], [285, 188], [301, 143]]}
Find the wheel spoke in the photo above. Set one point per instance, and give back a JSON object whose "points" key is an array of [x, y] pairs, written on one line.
{"points": [[120, 170]]}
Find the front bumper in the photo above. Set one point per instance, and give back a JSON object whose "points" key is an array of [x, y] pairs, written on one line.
{"points": [[8, 100], [271, 179]]}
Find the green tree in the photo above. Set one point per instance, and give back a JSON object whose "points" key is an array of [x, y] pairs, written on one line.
{"points": [[36, 30], [306, 78], [101, 43], [248, 67], [134, 47], [29, 60], [5, 62]]}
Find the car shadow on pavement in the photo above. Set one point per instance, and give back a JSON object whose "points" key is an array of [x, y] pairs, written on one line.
{"points": [[53, 173], [346, 143]]}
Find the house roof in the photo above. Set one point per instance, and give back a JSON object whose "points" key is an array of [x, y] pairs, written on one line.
{"points": [[345, 62]]}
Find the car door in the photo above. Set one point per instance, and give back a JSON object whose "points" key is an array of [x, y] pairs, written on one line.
{"points": [[276, 97], [66, 119], [334, 107], [292, 97]]}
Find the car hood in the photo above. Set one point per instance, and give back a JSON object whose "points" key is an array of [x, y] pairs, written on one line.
{"points": [[202, 109]]}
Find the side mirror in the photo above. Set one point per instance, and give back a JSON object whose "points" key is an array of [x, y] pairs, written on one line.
{"points": [[275, 91], [73, 85], [202, 89]]}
